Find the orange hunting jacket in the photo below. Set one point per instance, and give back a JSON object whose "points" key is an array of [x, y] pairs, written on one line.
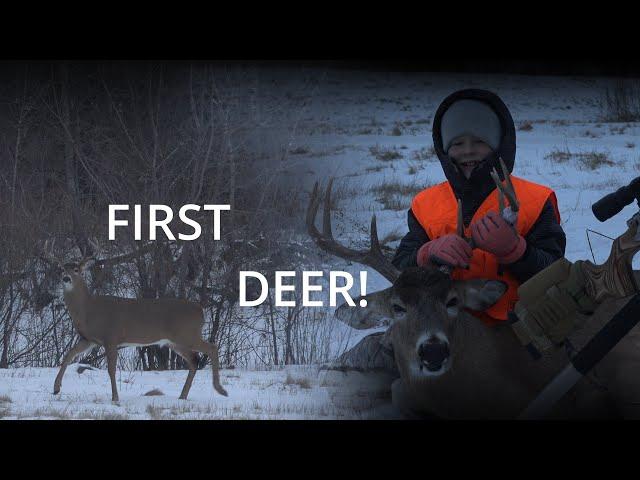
{"points": [[435, 208]]}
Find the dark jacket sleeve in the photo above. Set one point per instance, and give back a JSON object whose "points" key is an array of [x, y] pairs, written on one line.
{"points": [[546, 243], [406, 254]]}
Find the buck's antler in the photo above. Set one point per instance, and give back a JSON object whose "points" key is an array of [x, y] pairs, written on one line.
{"points": [[93, 242], [509, 213], [373, 257], [47, 252]]}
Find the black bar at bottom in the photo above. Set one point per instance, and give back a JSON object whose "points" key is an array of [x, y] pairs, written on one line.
{"points": [[608, 336]]}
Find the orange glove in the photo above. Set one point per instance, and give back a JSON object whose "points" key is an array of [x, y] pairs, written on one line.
{"points": [[449, 249], [495, 235]]}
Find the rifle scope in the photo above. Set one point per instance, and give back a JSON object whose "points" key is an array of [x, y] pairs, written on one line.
{"points": [[610, 205]]}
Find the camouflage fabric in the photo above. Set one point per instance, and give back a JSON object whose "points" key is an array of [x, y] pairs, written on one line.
{"points": [[549, 305]]}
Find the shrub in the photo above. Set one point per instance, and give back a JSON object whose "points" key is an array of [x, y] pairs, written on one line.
{"points": [[621, 102], [299, 151], [396, 131], [559, 156], [425, 153], [594, 160], [525, 126], [301, 382]]}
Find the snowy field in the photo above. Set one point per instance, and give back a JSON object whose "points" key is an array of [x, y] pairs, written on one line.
{"points": [[372, 132], [294, 392]]}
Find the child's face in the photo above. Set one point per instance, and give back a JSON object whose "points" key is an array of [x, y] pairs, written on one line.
{"points": [[467, 152]]}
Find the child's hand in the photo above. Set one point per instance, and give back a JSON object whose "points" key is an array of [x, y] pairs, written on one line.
{"points": [[495, 235], [449, 249]]}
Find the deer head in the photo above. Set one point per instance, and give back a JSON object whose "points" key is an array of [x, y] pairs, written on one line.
{"points": [[71, 272], [422, 308]]}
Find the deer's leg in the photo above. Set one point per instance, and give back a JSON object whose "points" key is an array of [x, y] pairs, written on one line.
{"points": [[82, 346], [192, 361], [212, 351], [112, 359]]}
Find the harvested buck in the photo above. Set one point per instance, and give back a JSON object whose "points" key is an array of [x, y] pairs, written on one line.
{"points": [[114, 322], [451, 365]]}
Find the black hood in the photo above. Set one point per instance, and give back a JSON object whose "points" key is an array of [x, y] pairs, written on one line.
{"points": [[474, 190]]}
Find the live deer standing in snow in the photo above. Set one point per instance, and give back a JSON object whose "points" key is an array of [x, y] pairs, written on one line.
{"points": [[114, 322]]}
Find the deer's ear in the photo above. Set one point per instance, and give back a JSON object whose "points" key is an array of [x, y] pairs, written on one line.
{"points": [[375, 314], [481, 294]]}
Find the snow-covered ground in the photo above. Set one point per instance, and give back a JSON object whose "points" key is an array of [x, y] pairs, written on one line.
{"points": [[294, 392], [371, 129]]}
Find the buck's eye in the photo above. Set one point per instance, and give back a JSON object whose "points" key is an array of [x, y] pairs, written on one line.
{"points": [[452, 302], [398, 309], [75, 270]]}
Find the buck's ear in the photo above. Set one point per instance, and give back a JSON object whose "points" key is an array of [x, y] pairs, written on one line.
{"points": [[375, 314], [481, 294]]}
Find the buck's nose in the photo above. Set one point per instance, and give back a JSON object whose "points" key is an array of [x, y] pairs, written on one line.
{"points": [[66, 279], [433, 352]]}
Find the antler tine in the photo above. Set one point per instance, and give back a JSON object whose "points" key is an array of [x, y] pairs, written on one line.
{"points": [[372, 257], [85, 253], [375, 242], [312, 210], [460, 223], [326, 212], [509, 191], [48, 253], [501, 202], [500, 188], [93, 241]]}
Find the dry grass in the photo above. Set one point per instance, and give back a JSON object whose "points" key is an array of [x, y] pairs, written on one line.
{"points": [[589, 160], [618, 130], [299, 151], [302, 382], [396, 195], [425, 153], [375, 168], [594, 160], [391, 237], [559, 156], [4, 407], [590, 134], [155, 413], [385, 154], [412, 170], [113, 416], [621, 102], [525, 126]]}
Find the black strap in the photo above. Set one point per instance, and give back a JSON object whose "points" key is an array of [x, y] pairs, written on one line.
{"points": [[607, 338]]}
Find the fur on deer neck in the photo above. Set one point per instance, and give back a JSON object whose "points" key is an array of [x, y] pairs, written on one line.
{"points": [[75, 298], [478, 384]]}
